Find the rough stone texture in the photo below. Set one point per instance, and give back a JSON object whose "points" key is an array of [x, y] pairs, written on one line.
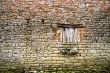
{"points": [[28, 42]]}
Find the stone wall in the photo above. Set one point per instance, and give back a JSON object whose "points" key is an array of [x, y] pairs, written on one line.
{"points": [[28, 40]]}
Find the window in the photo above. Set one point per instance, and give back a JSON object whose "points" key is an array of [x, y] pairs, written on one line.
{"points": [[68, 33]]}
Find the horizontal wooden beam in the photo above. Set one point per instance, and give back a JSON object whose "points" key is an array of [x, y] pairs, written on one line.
{"points": [[63, 25]]}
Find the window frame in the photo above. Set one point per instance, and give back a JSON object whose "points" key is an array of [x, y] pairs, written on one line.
{"points": [[61, 32]]}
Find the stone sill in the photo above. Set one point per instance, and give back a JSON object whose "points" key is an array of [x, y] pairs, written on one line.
{"points": [[68, 48]]}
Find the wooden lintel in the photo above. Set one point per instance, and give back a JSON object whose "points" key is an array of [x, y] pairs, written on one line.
{"points": [[63, 25]]}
